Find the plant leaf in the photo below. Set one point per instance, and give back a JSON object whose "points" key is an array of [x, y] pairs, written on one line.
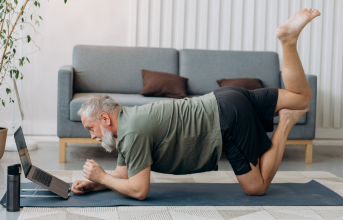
{"points": [[28, 38], [27, 59], [8, 91]]}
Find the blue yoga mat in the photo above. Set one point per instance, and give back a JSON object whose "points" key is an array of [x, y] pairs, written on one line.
{"points": [[194, 194]]}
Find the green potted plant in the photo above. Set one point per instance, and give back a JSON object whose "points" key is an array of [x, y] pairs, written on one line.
{"points": [[12, 16]]}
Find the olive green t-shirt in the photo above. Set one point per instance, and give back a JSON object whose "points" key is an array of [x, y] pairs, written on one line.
{"points": [[176, 136]]}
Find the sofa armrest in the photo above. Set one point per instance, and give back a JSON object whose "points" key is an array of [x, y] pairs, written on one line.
{"points": [[311, 123], [64, 96], [310, 126]]}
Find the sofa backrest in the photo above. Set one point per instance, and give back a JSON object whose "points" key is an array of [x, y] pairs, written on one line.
{"points": [[110, 69], [204, 67]]}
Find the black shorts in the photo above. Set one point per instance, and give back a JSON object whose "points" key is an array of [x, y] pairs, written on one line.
{"points": [[245, 117]]}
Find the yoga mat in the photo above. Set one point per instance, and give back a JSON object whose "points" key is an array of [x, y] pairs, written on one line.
{"points": [[195, 194]]}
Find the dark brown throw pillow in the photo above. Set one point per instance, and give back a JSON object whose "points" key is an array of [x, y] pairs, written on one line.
{"points": [[247, 83], [163, 84]]}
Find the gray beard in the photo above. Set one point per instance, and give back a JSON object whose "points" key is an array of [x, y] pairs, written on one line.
{"points": [[108, 141]]}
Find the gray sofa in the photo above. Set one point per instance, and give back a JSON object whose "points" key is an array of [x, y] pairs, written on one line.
{"points": [[117, 71]]}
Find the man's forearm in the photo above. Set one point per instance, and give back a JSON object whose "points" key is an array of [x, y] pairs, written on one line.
{"points": [[100, 187], [121, 185]]}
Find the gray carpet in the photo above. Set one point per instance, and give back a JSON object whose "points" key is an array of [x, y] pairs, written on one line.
{"points": [[192, 194], [200, 212]]}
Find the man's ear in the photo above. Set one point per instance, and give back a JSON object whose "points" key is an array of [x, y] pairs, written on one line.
{"points": [[105, 119]]}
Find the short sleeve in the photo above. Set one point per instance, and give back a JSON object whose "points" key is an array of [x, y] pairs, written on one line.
{"points": [[136, 149], [121, 160]]}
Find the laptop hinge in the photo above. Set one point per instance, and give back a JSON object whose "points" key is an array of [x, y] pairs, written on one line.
{"points": [[28, 171]]}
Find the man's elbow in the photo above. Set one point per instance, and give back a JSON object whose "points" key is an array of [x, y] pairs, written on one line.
{"points": [[142, 194]]}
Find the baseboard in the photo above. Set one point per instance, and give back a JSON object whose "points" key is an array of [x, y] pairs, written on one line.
{"points": [[36, 128], [329, 133], [40, 138], [327, 142]]}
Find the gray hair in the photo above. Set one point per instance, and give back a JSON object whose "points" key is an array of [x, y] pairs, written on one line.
{"points": [[97, 104]]}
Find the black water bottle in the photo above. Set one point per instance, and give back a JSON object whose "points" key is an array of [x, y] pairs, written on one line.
{"points": [[13, 188]]}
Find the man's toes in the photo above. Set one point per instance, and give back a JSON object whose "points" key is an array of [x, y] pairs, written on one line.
{"points": [[316, 12]]}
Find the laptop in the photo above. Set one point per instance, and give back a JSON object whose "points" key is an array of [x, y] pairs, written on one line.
{"points": [[36, 174]]}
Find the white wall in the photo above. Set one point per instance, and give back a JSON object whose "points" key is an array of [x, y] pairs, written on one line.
{"points": [[250, 25], [101, 22], [203, 24]]}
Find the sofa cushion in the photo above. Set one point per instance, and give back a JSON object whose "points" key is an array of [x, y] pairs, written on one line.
{"points": [[247, 83], [109, 69], [128, 100], [204, 67], [163, 84]]}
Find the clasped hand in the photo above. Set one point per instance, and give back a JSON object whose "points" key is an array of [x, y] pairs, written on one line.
{"points": [[93, 171]]}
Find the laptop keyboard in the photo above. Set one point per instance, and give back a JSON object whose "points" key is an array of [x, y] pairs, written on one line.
{"points": [[42, 177]]}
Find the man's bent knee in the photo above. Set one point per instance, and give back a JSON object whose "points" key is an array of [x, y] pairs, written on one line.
{"points": [[306, 99], [257, 190]]}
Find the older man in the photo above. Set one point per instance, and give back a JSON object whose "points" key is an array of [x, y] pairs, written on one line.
{"points": [[188, 135]]}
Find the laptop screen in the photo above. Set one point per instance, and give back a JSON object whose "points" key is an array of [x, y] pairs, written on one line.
{"points": [[22, 150]]}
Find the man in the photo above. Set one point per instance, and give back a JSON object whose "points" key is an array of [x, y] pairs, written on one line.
{"points": [[188, 135]]}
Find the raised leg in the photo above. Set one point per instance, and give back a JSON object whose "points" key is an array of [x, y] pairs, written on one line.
{"points": [[257, 181], [297, 94]]}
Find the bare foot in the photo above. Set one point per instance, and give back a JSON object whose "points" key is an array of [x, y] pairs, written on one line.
{"points": [[289, 32], [291, 117]]}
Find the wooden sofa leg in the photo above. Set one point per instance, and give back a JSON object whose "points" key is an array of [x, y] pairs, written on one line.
{"points": [[64, 141], [63, 146], [309, 148], [308, 153]]}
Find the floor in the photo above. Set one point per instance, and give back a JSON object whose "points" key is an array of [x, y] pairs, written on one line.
{"points": [[325, 158]]}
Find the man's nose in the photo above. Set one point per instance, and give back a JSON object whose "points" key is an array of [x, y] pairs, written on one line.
{"points": [[92, 136]]}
